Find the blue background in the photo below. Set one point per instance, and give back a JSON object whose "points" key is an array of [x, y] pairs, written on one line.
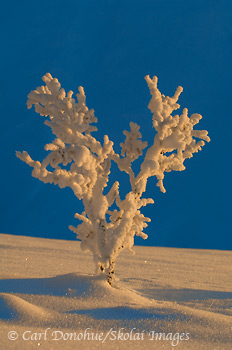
{"points": [[108, 47]]}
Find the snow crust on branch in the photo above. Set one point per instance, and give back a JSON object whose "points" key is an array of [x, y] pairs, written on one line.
{"points": [[175, 135], [77, 160]]}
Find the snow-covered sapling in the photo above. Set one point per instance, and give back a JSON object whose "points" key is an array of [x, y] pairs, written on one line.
{"points": [[77, 160]]}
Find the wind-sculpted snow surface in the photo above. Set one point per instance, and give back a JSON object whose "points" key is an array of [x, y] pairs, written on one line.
{"points": [[83, 164], [47, 303]]}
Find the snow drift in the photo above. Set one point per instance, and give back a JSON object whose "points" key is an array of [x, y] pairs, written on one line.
{"points": [[174, 292]]}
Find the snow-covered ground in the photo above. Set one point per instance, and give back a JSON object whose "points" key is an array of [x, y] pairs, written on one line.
{"points": [[49, 295]]}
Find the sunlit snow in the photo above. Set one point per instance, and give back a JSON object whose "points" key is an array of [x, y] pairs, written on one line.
{"points": [[50, 284]]}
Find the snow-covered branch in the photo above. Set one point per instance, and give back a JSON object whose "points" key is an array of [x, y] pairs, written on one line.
{"points": [[175, 135], [77, 160]]}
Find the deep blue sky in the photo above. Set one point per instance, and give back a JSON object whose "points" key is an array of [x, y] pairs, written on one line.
{"points": [[108, 47]]}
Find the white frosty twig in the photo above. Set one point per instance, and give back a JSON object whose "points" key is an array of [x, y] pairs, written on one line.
{"points": [[77, 160]]}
